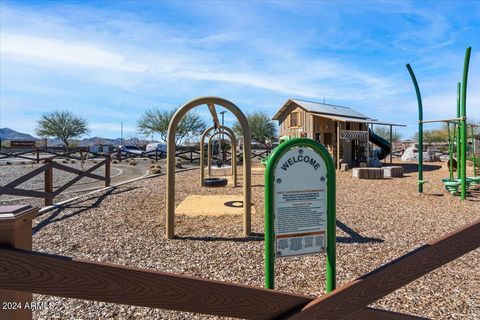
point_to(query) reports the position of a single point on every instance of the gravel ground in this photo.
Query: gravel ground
(379, 220)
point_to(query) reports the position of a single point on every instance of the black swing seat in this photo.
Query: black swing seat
(215, 182)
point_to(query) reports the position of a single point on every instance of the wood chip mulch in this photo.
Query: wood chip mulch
(378, 220)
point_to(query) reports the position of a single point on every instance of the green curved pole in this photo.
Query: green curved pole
(420, 128)
(463, 124)
(459, 89)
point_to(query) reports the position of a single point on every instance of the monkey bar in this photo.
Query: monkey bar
(461, 120)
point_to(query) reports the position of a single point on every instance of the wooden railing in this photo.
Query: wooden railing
(49, 194)
(21, 155)
(48, 274)
(39, 154)
(187, 153)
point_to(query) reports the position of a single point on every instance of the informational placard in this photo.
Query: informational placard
(300, 203)
(300, 206)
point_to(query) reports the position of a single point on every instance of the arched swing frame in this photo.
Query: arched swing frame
(231, 135)
(171, 150)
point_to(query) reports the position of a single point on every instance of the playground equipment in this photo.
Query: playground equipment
(384, 145)
(210, 151)
(170, 179)
(460, 121)
(215, 181)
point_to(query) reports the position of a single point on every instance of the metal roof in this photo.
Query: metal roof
(369, 121)
(321, 108)
(337, 113)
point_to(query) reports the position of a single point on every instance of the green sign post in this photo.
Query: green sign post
(300, 205)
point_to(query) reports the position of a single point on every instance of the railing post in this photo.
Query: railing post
(108, 160)
(38, 156)
(48, 182)
(16, 232)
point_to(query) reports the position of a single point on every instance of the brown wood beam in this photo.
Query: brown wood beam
(62, 167)
(77, 178)
(28, 176)
(26, 272)
(356, 295)
(26, 193)
(66, 277)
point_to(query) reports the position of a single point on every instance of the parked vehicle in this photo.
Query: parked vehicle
(129, 149)
(156, 146)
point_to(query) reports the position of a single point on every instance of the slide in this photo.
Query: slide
(380, 142)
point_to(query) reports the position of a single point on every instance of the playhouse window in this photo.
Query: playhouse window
(294, 119)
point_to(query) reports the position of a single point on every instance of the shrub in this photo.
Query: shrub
(178, 164)
(155, 170)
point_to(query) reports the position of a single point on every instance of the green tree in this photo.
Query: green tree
(62, 124)
(156, 121)
(261, 125)
(384, 132)
(435, 135)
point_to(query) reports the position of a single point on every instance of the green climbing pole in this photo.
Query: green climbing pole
(459, 90)
(473, 153)
(461, 129)
(420, 129)
(450, 152)
(463, 126)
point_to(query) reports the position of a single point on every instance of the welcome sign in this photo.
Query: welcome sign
(299, 205)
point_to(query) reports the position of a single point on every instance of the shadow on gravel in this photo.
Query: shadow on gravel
(412, 167)
(52, 215)
(355, 237)
(253, 237)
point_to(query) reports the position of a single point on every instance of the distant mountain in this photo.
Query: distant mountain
(97, 140)
(87, 141)
(9, 134)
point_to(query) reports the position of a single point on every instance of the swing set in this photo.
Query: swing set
(460, 134)
(209, 182)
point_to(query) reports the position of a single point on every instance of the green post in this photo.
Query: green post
(420, 129)
(269, 226)
(450, 152)
(473, 153)
(463, 125)
(459, 89)
(269, 209)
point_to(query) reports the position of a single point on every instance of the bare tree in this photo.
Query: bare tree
(384, 132)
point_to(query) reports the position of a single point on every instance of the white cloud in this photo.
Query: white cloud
(64, 51)
(248, 54)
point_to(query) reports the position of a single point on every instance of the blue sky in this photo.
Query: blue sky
(110, 61)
